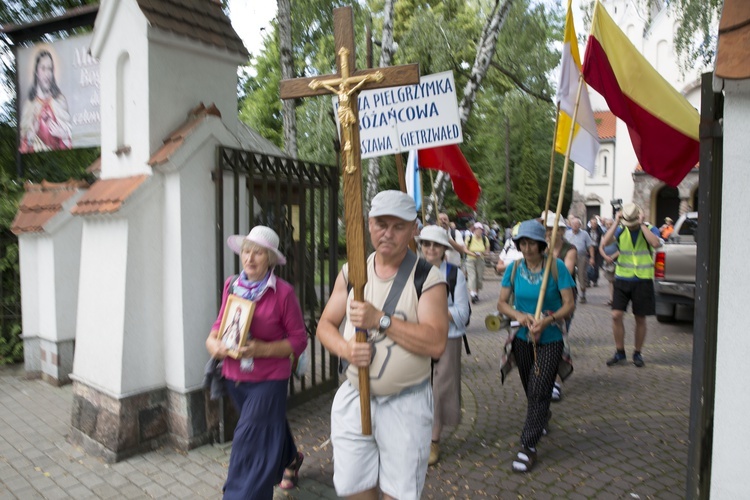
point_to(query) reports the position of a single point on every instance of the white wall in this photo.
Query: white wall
(190, 254)
(125, 40)
(732, 404)
(46, 287)
(144, 349)
(181, 76)
(119, 339)
(67, 251)
(101, 301)
(28, 258)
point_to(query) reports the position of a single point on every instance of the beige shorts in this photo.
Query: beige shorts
(395, 456)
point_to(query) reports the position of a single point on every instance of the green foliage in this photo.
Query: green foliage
(11, 345)
(696, 36)
(440, 36)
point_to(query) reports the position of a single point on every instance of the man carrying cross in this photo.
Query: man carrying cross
(405, 311)
(404, 329)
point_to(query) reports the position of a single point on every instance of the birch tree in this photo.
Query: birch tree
(485, 51)
(386, 56)
(287, 72)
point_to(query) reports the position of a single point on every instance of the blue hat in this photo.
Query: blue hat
(532, 230)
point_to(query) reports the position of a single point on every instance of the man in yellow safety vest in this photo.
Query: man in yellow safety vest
(634, 277)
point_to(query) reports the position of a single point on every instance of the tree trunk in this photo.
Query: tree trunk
(485, 52)
(386, 56)
(287, 72)
(507, 169)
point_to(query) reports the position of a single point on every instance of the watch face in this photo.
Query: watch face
(385, 322)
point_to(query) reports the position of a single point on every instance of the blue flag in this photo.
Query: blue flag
(413, 184)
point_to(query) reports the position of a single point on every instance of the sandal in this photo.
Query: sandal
(291, 474)
(525, 460)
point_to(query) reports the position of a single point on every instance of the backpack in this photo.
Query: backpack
(452, 280)
(485, 240)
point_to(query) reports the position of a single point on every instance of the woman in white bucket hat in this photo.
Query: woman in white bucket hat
(263, 449)
(446, 371)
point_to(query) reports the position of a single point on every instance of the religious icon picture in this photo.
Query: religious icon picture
(235, 323)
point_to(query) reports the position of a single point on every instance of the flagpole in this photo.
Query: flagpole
(551, 166)
(434, 197)
(550, 259)
(419, 174)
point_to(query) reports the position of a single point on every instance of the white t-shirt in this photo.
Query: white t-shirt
(393, 368)
(451, 256)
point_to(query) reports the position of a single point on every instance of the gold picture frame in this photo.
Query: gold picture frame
(235, 323)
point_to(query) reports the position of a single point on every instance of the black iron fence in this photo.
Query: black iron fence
(299, 200)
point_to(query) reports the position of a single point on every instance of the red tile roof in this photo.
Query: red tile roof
(176, 138)
(733, 48)
(606, 124)
(201, 20)
(108, 195)
(41, 202)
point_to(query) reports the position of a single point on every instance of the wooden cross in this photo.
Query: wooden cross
(347, 83)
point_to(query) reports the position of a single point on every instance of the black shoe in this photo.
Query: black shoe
(638, 360)
(619, 356)
(474, 299)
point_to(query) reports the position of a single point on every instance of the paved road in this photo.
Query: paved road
(620, 432)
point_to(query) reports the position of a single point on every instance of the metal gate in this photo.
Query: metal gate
(299, 200)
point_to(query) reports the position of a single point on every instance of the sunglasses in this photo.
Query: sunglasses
(430, 244)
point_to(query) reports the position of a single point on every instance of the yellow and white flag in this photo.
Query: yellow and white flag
(585, 145)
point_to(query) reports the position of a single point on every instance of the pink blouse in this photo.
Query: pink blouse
(277, 316)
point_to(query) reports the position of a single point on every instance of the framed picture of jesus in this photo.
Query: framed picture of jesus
(235, 323)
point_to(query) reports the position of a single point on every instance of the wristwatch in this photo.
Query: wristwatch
(385, 322)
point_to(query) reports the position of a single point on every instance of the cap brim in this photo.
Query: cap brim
(385, 213)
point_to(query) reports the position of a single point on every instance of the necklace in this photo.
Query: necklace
(533, 277)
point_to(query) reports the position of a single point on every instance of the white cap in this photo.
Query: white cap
(394, 203)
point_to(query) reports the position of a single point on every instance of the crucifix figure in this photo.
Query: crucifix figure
(347, 113)
(346, 84)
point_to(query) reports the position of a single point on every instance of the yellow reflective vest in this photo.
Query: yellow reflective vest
(634, 261)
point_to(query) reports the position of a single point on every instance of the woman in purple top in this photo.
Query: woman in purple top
(263, 446)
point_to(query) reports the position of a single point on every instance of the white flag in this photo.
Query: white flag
(413, 186)
(585, 144)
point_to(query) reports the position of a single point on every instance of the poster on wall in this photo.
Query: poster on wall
(58, 96)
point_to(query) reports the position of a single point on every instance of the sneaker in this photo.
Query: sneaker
(434, 453)
(619, 356)
(556, 392)
(638, 360)
(582, 299)
(474, 299)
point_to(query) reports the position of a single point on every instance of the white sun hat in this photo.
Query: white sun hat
(260, 235)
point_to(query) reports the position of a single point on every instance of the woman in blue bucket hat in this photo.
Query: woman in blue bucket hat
(538, 344)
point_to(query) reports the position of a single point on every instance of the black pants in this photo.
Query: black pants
(538, 387)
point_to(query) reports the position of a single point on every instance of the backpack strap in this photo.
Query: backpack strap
(452, 275)
(420, 275)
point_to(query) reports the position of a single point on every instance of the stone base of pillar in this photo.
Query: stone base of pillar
(56, 360)
(191, 419)
(115, 429)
